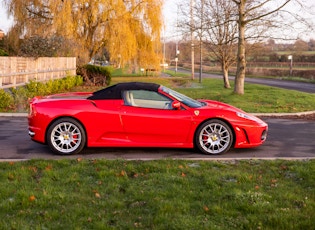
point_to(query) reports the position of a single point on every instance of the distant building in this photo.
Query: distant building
(1, 34)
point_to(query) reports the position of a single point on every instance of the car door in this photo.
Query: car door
(149, 119)
(103, 123)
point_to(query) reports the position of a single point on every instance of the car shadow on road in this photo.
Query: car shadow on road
(137, 153)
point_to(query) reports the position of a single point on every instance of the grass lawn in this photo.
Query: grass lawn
(257, 98)
(167, 194)
(162, 194)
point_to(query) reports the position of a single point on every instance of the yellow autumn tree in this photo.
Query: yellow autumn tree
(128, 29)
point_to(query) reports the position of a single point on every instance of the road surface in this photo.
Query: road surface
(287, 139)
(293, 85)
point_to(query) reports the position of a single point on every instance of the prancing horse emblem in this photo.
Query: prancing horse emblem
(196, 112)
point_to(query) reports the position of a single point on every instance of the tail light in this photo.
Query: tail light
(32, 111)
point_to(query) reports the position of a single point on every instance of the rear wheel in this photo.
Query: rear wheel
(214, 137)
(66, 136)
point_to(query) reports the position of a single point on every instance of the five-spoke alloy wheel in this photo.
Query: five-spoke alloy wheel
(214, 137)
(66, 136)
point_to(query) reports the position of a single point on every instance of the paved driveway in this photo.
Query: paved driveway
(287, 139)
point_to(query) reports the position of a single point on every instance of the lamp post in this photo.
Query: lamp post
(192, 5)
(164, 49)
(201, 30)
(176, 57)
(290, 57)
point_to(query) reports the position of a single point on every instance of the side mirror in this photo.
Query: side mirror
(176, 105)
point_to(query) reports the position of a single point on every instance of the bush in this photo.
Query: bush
(21, 95)
(3, 53)
(95, 75)
(6, 101)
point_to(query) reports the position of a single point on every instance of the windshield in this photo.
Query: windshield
(182, 98)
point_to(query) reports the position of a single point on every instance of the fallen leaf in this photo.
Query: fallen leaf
(34, 169)
(123, 173)
(48, 168)
(96, 193)
(11, 176)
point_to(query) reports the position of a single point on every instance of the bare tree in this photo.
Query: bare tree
(251, 20)
(255, 16)
(211, 21)
(220, 33)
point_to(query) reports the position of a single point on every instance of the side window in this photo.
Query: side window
(146, 99)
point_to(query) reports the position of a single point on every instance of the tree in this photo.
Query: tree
(256, 20)
(311, 44)
(94, 24)
(300, 45)
(256, 15)
(210, 20)
(37, 46)
(221, 33)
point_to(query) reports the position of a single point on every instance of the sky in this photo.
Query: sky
(170, 17)
(169, 13)
(5, 23)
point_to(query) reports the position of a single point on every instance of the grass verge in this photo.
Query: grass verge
(257, 98)
(162, 194)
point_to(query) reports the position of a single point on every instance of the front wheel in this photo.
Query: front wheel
(66, 136)
(214, 137)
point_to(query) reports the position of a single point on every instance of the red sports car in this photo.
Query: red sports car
(137, 114)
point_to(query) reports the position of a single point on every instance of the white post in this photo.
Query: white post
(192, 4)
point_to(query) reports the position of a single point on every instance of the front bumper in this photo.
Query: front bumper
(31, 133)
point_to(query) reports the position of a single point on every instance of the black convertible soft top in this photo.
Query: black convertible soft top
(115, 91)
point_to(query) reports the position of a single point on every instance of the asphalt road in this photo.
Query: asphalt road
(293, 85)
(286, 139)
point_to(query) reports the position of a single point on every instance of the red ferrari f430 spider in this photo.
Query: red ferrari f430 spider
(137, 114)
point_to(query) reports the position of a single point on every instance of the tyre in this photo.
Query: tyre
(66, 136)
(214, 137)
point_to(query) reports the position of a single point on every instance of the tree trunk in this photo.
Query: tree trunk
(225, 71)
(241, 58)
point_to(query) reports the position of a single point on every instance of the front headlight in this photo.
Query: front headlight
(246, 116)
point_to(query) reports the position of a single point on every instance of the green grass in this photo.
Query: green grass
(257, 98)
(163, 194)
(288, 78)
(176, 74)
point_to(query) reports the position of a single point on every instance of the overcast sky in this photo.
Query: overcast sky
(5, 23)
(169, 12)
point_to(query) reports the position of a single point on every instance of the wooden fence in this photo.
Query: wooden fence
(17, 71)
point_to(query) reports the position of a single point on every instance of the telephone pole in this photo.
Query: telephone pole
(192, 5)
